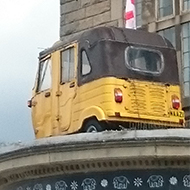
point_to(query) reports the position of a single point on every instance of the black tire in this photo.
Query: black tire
(93, 126)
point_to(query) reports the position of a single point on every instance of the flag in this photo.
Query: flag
(130, 15)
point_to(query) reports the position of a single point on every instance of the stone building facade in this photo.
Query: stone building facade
(169, 18)
(80, 15)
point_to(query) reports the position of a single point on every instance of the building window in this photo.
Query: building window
(67, 65)
(186, 58)
(186, 5)
(138, 6)
(169, 34)
(165, 8)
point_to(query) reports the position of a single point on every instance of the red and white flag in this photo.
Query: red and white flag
(130, 15)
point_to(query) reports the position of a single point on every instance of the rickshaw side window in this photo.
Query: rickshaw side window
(86, 68)
(67, 65)
(44, 79)
(144, 59)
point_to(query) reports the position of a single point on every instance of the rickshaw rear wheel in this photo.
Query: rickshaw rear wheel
(93, 125)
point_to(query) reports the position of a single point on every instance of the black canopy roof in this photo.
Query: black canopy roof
(105, 48)
(112, 33)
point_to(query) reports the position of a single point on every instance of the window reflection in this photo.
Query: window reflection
(145, 60)
(67, 65)
(186, 5)
(44, 81)
(86, 68)
(165, 8)
(169, 34)
(186, 58)
(138, 6)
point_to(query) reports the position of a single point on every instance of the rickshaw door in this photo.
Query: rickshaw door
(41, 101)
(67, 86)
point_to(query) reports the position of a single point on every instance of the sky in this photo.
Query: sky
(26, 28)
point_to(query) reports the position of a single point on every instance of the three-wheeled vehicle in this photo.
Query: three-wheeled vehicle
(107, 78)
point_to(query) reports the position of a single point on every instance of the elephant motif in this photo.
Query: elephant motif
(60, 185)
(89, 184)
(20, 188)
(155, 181)
(120, 182)
(38, 187)
(186, 180)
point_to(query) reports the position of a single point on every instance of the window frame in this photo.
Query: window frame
(182, 11)
(138, 26)
(184, 66)
(167, 29)
(38, 88)
(140, 70)
(158, 18)
(61, 66)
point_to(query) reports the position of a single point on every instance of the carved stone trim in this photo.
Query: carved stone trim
(89, 166)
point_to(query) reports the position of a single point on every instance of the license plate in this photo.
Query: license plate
(177, 113)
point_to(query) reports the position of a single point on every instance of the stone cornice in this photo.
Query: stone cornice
(96, 152)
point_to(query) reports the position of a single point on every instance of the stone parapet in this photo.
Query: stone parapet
(94, 153)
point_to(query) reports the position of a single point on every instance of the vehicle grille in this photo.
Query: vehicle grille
(148, 99)
(158, 100)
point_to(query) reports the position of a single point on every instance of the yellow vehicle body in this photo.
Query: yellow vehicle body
(66, 107)
(142, 102)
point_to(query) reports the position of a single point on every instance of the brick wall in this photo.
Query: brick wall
(80, 15)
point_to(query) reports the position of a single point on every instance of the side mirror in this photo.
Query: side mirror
(29, 103)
